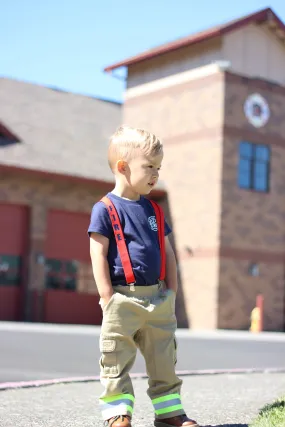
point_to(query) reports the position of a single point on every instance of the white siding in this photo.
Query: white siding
(256, 52)
(175, 62)
(253, 51)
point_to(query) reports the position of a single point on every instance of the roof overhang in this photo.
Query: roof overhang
(265, 15)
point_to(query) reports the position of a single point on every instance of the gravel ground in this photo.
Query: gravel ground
(229, 400)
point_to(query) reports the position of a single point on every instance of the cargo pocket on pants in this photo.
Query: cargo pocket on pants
(108, 361)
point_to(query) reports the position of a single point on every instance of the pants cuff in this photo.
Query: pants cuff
(168, 406)
(117, 405)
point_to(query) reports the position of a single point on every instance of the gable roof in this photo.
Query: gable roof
(58, 132)
(265, 15)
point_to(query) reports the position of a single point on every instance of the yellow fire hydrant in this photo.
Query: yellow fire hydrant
(255, 320)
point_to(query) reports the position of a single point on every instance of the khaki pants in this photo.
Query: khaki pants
(143, 319)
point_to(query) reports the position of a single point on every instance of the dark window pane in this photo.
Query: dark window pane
(260, 169)
(262, 152)
(13, 261)
(53, 268)
(244, 173)
(10, 270)
(261, 176)
(244, 180)
(246, 149)
(71, 267)
(70, 283)
(53, 282)
(245, 165)
(53, 265)
(260, 183)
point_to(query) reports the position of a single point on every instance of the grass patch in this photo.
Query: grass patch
(271, 415)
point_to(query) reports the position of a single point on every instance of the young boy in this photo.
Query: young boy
(137, 312)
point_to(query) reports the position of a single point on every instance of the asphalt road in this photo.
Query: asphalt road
(39, 352)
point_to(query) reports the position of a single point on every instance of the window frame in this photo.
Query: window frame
(62, 273)
(253, 161)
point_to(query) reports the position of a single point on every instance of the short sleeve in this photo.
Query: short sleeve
(167, 229)
(100, 221)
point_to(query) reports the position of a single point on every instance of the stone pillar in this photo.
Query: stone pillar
(34, 297)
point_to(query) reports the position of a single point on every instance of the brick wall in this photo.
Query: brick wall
(238, 290)
(252, 224)
(219, 229)
(189, 119)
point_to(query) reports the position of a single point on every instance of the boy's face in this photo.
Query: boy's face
(142, 172)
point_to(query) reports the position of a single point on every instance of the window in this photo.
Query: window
(61, 274)
(254, 166)
(10, 270)
(69, 275)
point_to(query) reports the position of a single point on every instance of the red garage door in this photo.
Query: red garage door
(13, 259)
(71, 295)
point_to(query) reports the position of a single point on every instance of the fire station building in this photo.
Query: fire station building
(217, 99)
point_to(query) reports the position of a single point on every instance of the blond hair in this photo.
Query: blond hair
(125, 142)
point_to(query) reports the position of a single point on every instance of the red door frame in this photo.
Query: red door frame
(17, 295)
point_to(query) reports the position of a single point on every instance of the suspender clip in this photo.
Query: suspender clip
(132, 287)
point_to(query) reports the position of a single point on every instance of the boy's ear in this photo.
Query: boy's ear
(121, 166)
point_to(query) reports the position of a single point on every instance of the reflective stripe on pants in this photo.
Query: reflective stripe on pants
(122, 403)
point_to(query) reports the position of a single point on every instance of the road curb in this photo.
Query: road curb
(44, 383)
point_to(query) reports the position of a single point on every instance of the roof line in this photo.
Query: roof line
(99, 98)
(218, 31)
(60, 90)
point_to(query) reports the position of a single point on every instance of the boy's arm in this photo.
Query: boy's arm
(171, 267)
(98, 251)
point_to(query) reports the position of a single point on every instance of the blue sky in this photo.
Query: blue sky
(66, 44)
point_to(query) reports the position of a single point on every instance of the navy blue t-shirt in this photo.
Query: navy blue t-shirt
(140, 230)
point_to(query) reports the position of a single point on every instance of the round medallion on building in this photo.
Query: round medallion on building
(257, 110)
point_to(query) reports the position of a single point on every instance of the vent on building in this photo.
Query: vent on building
(253, 269)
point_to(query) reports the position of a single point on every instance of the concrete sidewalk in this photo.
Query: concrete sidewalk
(92, 330)
(228, 400)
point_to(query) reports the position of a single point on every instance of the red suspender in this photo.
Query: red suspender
(119, 236)
(122, 247)
(160, 229)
